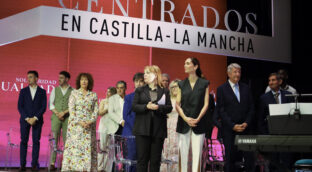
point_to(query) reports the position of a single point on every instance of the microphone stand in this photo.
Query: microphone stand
(297, 113)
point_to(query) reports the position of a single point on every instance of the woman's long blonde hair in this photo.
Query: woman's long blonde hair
(156, 70)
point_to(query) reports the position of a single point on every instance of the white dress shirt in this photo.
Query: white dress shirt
(279, 96)
(233, 86)
(121, 102)
(33, 91)
(52, 96)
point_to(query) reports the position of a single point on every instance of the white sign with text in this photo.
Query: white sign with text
(69, 23)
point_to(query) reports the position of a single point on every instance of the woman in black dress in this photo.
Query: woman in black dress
(192, 104)
(151, 103)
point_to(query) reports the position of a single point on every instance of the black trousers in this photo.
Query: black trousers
(233, 156)
(149, 149)
(36, 135)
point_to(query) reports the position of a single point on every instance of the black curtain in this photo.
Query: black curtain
(255, 72)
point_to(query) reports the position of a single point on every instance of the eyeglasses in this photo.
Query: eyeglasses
(173, 87)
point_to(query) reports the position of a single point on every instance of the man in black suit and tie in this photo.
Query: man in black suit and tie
(236, 109)
(32, 103)
(278, 161)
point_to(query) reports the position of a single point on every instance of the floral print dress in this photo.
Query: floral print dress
(80, 147)
(171, 143)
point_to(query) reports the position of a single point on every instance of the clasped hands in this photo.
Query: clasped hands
(60, 115)
(85, 124)
(31, 121)
(240, 127)
(191, 121)
(152, 106)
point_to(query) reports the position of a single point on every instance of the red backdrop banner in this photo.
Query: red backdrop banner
(107, 62)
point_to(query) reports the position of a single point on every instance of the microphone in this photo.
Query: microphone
(297, 113)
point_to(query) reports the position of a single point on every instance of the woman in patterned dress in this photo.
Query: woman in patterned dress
(80, 147)
(171, 144)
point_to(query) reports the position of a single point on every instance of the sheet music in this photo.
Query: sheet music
(162, 100)
(286, 108)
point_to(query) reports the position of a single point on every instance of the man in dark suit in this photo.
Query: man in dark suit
(32, 103)
(128, 113)
(129, 117)
(274, 96)
(278, 161)
(216, 120)
(236, 109)
(209, 114)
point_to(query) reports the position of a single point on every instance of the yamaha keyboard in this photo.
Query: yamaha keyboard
(274, 143)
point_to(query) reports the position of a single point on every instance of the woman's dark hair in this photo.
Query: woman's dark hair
(90, 81)
(138, 76)
(112, 90)
(65, 73)
(195, 62)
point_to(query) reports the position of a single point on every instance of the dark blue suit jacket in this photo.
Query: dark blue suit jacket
(231, 110)
(263, 112)
(128, 115)
(29, 108)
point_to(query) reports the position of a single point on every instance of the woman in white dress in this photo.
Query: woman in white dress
(171, 144)
(101, 129)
